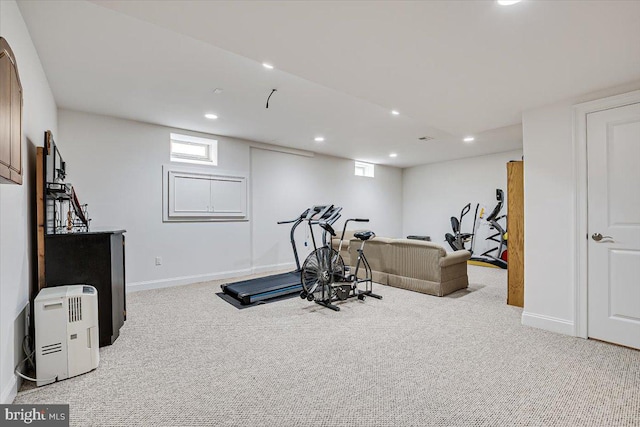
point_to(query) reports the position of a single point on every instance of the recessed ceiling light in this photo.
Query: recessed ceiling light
(508, 2)
(395, 112)
(469, 139)
(393, 155)
(318, 139)
(211, 116)
(268, 66)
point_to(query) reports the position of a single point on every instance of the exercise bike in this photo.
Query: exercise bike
(324, 276)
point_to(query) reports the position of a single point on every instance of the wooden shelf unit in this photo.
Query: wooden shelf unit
(515, 229)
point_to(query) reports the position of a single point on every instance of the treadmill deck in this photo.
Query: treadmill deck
(261, 288)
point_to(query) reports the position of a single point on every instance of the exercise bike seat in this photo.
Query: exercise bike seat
(364, 235)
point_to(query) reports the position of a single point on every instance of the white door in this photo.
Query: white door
(613, 147)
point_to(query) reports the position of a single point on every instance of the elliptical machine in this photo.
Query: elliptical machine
(458, 240)
(495, 257)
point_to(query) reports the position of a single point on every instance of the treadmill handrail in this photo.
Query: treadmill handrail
(288, 222)
(316, 210)
(293, 243)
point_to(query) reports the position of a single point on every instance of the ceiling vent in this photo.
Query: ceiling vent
(426, 138)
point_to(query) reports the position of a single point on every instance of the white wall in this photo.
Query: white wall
(116, 167)
(550, 213)
(549, 218)
(285, 184)
(17, 201)
(434, 192)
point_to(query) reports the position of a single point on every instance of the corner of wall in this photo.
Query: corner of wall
(39, 114)
(10, 391)
(548, 323)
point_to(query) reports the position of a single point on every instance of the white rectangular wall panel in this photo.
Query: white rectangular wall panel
(190, 195)
(203, 194)
(228, 196)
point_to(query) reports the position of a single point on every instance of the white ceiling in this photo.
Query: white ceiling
(451, 68)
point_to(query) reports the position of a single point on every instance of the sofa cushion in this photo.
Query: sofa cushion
(429, 287)
(375, 250)
(415, 259)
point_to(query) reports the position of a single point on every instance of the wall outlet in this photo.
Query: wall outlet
(158, 260)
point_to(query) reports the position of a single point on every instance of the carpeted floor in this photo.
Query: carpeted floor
(185, 357)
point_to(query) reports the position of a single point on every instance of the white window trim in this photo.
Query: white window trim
(368, 169)
(211, 144)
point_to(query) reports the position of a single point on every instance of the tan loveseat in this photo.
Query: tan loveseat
(412, 264)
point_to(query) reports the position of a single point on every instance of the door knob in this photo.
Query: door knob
(598, 237)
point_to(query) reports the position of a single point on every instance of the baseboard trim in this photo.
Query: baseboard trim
(188, 280)
(548, 323)
(10, 391)
(273, 267)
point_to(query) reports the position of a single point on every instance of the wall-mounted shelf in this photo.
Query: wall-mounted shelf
(58, 191)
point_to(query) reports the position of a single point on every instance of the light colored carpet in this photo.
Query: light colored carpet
(187, 358)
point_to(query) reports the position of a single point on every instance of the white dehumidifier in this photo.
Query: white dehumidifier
(66, 324)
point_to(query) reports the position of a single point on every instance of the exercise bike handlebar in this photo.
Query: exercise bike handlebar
(358, 220)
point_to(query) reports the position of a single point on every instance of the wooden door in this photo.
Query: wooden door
(613, 290)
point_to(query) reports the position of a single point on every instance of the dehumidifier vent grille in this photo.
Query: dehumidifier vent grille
(75, 309)
(51, 348)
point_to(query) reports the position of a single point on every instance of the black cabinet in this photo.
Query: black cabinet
(96, 259)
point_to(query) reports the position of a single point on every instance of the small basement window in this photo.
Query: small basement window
(192, 149)
(364, 169)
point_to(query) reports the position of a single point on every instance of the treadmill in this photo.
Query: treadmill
(262, 288)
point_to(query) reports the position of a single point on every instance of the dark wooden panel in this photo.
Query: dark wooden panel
(5, 114)
(515, 229)
(40, 214)
(10, 117)
(16, 128)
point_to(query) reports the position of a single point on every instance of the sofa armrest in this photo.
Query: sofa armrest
(454, 258)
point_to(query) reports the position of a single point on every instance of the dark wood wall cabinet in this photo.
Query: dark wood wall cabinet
(96, 259)
(10, 117)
